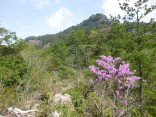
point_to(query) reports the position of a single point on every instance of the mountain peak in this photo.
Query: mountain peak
(96, 19)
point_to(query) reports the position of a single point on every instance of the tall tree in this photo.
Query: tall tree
(136, 40)
(12, 65)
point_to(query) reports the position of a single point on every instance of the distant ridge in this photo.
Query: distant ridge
(97, 21)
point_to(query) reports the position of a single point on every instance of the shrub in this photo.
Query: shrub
(119, 79)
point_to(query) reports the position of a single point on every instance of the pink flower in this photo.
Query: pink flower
(125, 102)
(103, 57)
(117, 93)
(119, 81)
(121, 87)
(121, 112)
(99, 78)
(108, 76)
(117, 59)
(133, 79)
(93, 69)
(100, 62)
(113, 71)
(103, 75)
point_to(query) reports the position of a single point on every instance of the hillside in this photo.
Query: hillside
(98, 21)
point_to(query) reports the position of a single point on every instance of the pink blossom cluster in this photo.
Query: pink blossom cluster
(113, 69)
(107, 70)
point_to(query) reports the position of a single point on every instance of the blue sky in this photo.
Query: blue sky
(38, 17)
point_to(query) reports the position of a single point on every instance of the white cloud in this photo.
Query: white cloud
(112, 7)
(57, 1)
(61, 19)
(40, 4)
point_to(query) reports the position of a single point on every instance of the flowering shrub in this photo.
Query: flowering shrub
(119, 77)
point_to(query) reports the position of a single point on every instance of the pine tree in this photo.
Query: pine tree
(135, 40)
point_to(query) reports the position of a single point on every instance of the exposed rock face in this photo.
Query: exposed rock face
(54, 114)
(17, 112)
(62, 98)
(34, 42)
(95, 20)
(20, 113)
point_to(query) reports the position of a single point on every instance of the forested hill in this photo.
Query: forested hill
(98, 22)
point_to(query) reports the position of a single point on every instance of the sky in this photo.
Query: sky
(39, 17)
